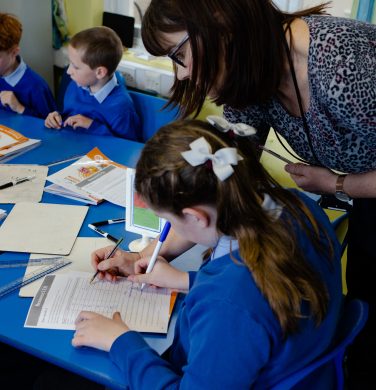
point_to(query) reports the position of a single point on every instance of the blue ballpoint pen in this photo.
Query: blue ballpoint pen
(162, 237)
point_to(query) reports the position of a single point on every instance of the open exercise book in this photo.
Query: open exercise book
(62, 297)
(91, 179)
(13, 143)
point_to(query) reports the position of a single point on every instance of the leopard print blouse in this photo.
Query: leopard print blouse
(342, 110)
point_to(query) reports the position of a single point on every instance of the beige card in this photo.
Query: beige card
(28, 191)
(41, 228)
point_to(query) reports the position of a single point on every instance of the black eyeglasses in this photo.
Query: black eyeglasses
(174, 53)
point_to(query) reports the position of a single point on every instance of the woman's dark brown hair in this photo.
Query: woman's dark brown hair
(243, 36)
(268, 245)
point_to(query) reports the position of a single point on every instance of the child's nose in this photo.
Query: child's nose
(182, 73)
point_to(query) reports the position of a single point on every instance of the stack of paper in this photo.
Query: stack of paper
(91, 179)
(13, 144)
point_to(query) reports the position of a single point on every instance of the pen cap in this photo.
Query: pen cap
(166, 229)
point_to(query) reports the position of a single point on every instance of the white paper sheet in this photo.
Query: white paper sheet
(62, 297)
(79, 256)
(110, 184)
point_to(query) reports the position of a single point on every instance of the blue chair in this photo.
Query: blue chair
(63, 84)
(151, 113)
(352, 322)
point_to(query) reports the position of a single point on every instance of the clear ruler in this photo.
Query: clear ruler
(32, 276)
(28, 262)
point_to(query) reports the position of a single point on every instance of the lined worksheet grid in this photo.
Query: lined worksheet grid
(145, 310)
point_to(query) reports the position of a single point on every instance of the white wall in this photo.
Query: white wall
(338, 7)
(36, 42)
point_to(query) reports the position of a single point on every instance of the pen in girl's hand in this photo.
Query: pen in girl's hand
(107, 257)
(162, 237)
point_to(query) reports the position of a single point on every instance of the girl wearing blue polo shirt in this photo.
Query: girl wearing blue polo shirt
(264, 303)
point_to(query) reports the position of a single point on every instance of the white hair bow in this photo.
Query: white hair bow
(222, 125)
(221, 160)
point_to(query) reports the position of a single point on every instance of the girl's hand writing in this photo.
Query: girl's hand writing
(121, 264)
(97, 331)
(162, 275)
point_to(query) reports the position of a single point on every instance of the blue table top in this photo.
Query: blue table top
(55, 345)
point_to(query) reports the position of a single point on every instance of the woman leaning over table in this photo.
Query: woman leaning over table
(309, 76)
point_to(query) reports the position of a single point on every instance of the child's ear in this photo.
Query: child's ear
(101, 72)
(197, 215)
(15, 51)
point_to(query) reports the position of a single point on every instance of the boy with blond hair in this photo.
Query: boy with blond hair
(96, 102)
(21, 89)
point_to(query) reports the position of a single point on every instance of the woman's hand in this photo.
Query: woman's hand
(312, 179)
(162, 275)
(97, 331)
(121, 264)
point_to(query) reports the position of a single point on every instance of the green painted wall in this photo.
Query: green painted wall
(83, 14)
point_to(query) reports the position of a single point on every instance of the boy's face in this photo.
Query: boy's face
(8, 61)
(80, 72)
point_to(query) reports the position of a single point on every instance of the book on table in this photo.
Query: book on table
(91, 179)
(13, 143)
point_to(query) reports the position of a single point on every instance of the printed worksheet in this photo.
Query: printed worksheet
(79, 256)
(10, 137)
(62, 297)
(93, 177)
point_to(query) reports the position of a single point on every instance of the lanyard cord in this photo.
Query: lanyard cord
(304, 119)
